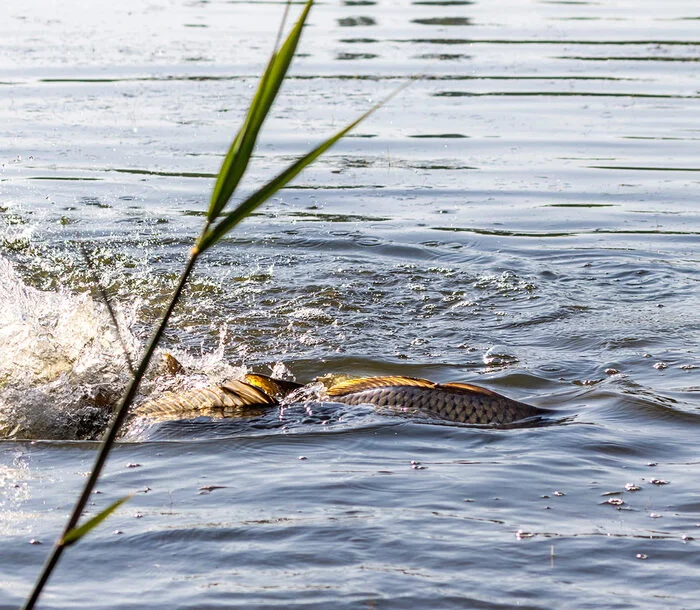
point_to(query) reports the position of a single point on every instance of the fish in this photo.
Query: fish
(231, 399)
(456, 402)
(254, 394)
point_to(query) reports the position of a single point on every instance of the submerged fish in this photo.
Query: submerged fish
(456, 402)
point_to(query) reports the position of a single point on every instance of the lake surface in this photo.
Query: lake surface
(524, 216)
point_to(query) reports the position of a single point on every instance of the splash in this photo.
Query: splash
(62, 366)
(196, 371)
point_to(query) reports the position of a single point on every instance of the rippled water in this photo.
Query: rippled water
(524, 216)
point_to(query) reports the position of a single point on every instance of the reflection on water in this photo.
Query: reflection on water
(523, 217)
(443, 21)
(347, 22)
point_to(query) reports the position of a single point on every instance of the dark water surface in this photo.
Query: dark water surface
(525, 217)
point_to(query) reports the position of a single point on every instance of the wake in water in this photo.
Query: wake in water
(63, 369)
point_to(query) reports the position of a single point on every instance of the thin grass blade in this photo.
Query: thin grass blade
(246, 207)
(239, 154)
(77, 533)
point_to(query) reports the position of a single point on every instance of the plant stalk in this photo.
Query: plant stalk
(110, 436)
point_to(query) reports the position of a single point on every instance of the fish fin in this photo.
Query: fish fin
(371, 383)
(172, 365)
(278, 388)
(246, 395)
(456, 385)
(215, 401)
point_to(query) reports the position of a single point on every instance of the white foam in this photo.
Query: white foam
(63, 369)
(62, 365)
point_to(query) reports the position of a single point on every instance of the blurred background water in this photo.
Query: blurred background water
(524, 216)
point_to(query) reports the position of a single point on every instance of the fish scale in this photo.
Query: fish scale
(458, 403)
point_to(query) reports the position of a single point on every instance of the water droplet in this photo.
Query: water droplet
(499, 356)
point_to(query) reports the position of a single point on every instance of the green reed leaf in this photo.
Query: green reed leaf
(246, 207)
(241, 150)
(72, 536)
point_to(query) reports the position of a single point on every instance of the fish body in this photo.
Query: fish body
(456, 402)
(232, 399)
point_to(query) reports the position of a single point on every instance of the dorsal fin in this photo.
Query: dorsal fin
(371, 383)
(466, 386)
(172, 365)
(246, 395)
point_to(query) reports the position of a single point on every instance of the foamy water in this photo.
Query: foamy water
(64, 367)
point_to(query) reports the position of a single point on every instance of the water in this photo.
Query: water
(525, 217)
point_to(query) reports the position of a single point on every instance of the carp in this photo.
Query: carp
(255, 393)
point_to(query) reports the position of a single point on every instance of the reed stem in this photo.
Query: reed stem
(110, 436)
(219, 223)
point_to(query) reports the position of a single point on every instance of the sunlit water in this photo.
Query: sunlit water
(524, 216)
